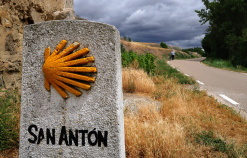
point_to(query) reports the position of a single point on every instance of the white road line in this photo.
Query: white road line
(199, 82)
(178, 69)
(228, 99)
(186, 75)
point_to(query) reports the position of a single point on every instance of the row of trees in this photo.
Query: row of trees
(127, 38)
(226, 36)
(195, 49)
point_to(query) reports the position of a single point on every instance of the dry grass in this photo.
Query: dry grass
(142, 48)
(10, 153)
(170, 132)
(153, 48)
(137, 81)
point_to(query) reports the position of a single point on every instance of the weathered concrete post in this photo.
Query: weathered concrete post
(87, 124)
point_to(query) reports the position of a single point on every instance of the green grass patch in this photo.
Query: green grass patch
(218, 144)
(224, 64)
(9, 120)
(166, 70)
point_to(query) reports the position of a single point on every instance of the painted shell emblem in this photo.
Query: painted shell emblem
(62, 69)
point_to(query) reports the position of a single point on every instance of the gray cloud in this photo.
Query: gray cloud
(170, 21)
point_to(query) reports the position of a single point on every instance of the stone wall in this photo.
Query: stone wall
(14, 14)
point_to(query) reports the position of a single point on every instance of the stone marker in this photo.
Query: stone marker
(89, 125)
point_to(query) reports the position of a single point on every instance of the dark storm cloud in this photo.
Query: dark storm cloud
(170, 21)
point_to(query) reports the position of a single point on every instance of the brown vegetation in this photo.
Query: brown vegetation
(10, 153)
(141, 48)
(170, 131)
(137, 81)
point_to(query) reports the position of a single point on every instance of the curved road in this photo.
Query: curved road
(227, 86)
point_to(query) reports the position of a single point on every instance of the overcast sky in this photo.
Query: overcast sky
(171, 21)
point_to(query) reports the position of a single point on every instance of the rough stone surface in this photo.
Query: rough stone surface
(101, 107)
(14, 15)
(133, 102)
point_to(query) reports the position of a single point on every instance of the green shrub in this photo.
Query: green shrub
(163, 45)
(145, 62)
(122, 48)
(9, 120)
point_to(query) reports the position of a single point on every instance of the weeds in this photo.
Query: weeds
(223, 64)
(145, 62)
(216, 143)
(167, 71)
(9, 120)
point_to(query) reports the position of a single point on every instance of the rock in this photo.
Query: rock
(11, 44)
(133, 102)
(1, 81)
(14, 15)
(65, 14)
(12, 80)
(98, 110)
(13, 67)
(1, 66)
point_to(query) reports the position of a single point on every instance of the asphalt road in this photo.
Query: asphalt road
(222, 84)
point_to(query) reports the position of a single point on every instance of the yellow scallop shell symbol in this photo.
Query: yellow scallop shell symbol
(62, 69)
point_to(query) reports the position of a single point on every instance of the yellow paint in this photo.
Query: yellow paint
(59, 67)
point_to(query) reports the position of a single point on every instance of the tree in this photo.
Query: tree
(226, 35)
(125, 38)
(163, 45)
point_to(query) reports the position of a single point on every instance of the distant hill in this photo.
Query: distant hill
(153, 48)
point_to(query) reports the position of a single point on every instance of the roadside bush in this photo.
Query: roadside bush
(145, 62)
(9, 120)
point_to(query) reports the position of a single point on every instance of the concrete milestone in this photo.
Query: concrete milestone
(75, 107)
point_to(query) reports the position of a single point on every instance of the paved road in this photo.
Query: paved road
(222, 84)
